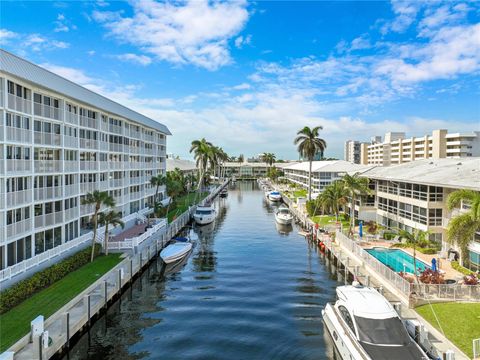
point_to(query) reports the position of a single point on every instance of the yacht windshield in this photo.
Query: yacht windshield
(382, 331)
(204, 212)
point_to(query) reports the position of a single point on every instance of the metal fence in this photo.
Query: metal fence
(476, 348)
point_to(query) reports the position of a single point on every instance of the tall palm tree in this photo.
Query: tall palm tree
(97, 198)
(333, 197)
(110, 218)
(355, 186)
(202, 152)
(222, 158)
(240, 158)
(462, 228)
(158, 181)
(268, 158)
(308, 144)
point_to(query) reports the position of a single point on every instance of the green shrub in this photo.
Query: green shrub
(389, 235)
(428, 251)
(22, 290)
(460, 268)
(312, 208)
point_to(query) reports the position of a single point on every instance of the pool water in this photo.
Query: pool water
(397, 259)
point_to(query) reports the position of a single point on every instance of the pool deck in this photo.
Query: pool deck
(443, 264)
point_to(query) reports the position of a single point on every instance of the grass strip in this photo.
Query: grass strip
(15, 323)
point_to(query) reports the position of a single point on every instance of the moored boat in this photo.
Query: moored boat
(283, 216)
(176, 250)
(204, 214)
(365, 326)
(274, 196)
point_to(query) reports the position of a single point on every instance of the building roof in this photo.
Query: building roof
(340, 166)
(463, 173)
(21, 68)
(183, 165)
(255, 164)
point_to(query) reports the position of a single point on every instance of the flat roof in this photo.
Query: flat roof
(461, 173)
(32, 73)
(184, 165)
(330, 166)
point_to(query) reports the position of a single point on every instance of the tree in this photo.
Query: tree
(413, 239)
(110, 218)
(97, 198)
(272, 173)
(308, 144)
(240, 158)
(268, 158)
(333, 197)
(355, 186)
(462, 228)
(202, 150)
(157, 181)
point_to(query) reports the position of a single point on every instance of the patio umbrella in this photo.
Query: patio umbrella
(434, 264)
(360, 229)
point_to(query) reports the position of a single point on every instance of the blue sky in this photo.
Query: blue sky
(248, 75)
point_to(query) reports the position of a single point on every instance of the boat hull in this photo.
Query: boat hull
(283, 220)
(174, 252)
(274, 197)
(204, 219)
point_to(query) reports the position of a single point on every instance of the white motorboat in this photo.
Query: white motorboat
(274, 196)
(176, 250)
(204, 214)
(365, 326)
(283, 216)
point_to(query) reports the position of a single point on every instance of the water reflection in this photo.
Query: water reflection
(283, 229)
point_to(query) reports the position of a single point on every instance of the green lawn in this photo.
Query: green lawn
(184, 202)
(300, 193)
(325, 220)
(15, 323)
(460, 322)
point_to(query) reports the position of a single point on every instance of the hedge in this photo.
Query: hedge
(22, 290)
(460, 268)
(427, 251)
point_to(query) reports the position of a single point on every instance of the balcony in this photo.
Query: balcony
(137, 180)
(19, 228)
(70, 141)
(71, 214)
(135, 195)
(70, 166)
(48, 219)
(102, 145)
(115, 183)
(88, 143)
(88, 122)
(19, 104)
(116, 129)
(47, 111)
(115, 165)
(88, 187)
(71, 190)
(89, 165)
(71, 118)
(116, 147)
(47, 193)
(47, 138)
(48, 166)
(87, 209)
(17, 198)
(18, 135)
(19, 166)
(102, 185)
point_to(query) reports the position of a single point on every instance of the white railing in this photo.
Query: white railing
(89, 165)
(18, 135)
(40, 258)
(47, 138)
(71, 190)
(47, 193)
(49, 219)
(47, 111)
(115, 165)
(17, 165)
(46, 166)
(71, 166)
(19, 197)
(88, 122)
(19, 228)
(19, 104)
(116, 147)
(71, 214)
(70, 141)
(88, 143)
(71, 118)
(136, 241)
(116, 183)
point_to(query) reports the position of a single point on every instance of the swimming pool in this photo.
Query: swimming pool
(397, 259)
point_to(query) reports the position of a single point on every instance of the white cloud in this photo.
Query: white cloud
(62, 24)
(137, 59)
(192, 32)
(241, 41)
(405, 14)
(6, 35)
(243, 86)
(25, 43)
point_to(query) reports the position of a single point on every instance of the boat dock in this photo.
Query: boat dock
(51, 337)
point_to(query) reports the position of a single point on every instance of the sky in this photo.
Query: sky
(248, 75)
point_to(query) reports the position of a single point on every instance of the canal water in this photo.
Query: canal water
(249, 290)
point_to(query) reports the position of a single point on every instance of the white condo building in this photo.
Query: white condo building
(352, 151)
(58, 142)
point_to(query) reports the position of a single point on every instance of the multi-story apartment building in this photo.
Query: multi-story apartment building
(323, 172)
(397, 149)
(58, 142)
(352, 151)
(413, 196)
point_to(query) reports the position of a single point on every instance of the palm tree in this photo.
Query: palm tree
(110, 218)
(97, 198)
(240, 158)
(333, 197)
(462, 228)
(202, 150)
(268, 158)
(355, 186)
(158, 181)
(412, 239)
(308, 144)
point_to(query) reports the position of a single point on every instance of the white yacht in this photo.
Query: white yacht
(204, 214)
(365, 326)
(176, 250)
(274, 196)
(283, 216)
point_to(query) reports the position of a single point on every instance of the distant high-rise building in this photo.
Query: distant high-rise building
(352, 151)
(397, 149)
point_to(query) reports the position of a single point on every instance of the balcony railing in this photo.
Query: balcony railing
(49, 219)
(116, 147)
(18, 135)
(117, 183)
(47, 138)
(71, 118)
(88, 187)
(71, 166)
(17, 165)
(19, 197)
(88, 143)
(19, 228)
(71, 190)
(47, 166)
(19, 104)
(89, 165)
(115, 165)
(71, 214)
(47, 193)
(70, 141)
(47, 111)
(88, 122)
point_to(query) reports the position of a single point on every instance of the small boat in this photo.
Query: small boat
(224, 193)
(274, 196)
(176, 250)
(365, 326)
(283, 216)
(204, 214)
